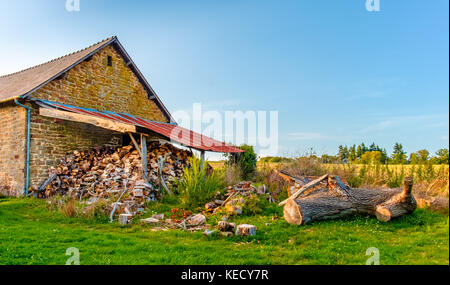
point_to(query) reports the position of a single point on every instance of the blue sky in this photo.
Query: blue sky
(336, 73)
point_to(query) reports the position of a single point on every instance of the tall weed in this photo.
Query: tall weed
(196, 186)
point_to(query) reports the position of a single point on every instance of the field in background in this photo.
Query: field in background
(429, 180)
(397, 168)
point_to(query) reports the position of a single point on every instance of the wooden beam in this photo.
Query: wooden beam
(87, 119)
(202, 159)
(47, 182)
(144, 157)
(136, 145)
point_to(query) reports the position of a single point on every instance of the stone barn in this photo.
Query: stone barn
(94, 97)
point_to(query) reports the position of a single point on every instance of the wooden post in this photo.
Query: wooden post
(202, 156)
(135, 144)
(144, 157)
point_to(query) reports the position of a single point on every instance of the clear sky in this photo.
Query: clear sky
(336, 73)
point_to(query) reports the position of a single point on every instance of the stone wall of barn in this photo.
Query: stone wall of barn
(12, 149)
(91, 84)
(94, 84)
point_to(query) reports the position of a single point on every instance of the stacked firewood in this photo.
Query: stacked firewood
(107, 172)
(174, 160)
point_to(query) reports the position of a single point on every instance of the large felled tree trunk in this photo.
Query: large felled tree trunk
(339, 201)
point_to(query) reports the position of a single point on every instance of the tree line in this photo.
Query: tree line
(373, 154)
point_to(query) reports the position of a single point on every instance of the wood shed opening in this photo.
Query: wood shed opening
(126, 140)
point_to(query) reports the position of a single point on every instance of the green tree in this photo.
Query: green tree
(424, 155)
(245, 161)
(352, 154)
(384, 155)
(442, 156)
(398, 155)
(372, 157)
(413, 158)
(360, 150)
(343, 154)
(419, 157)
(325, 158)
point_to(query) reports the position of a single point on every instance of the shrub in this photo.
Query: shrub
(196, 187)
(349, 173)
(304, 166)
(255, 205)
(231, 174)
(276, 185)
(245, 161)
(395, 178)
(429, 172)
(98, 210)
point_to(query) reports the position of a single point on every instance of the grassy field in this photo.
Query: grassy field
(407, 168)
(32, 234)
(429, 180)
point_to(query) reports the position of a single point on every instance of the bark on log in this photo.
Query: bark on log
(337, 202)
(304, 188)
(300, 181)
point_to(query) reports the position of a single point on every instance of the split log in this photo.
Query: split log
(338, 202)
(291, 179)
(225, 226)
(125, 219)
(304, 188)
(246, 230)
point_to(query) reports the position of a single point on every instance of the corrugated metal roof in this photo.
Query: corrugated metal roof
(170, 131)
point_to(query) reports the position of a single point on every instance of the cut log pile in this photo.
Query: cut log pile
(174, 160)
(327, 197)
(107, 172)
(190, 223)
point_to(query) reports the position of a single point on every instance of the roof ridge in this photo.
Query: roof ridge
(58, 58)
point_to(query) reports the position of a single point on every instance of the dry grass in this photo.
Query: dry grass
(231, 174)
(72, 208)
(69, 209)
(99, 209)
(429, 180)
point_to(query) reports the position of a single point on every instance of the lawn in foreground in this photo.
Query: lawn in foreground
(31, 234)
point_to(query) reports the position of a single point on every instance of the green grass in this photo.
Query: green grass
(32, 234)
